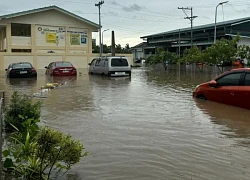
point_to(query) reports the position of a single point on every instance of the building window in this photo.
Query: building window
(21, 50)
(21, 30)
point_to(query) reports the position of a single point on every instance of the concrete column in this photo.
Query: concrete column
(89, 39)
(33, 38)
(8, 38)
(67, 40)
(1, 40)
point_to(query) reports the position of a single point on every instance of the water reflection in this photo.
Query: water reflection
(21, 82)
(235, 119)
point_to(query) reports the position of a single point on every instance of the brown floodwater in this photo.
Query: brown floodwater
(145, 127)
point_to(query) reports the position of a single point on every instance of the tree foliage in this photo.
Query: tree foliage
(34, 152)
(107, 49)
(163, 57)
(19, 110)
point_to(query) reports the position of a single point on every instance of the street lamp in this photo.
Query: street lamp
(102, 39)
(216, 19)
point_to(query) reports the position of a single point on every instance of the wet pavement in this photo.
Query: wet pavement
(145, 127)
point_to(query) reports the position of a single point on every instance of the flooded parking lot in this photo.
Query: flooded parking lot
(145, 127)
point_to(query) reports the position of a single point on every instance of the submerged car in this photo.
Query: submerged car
(110, 66)
(231, 87)
(61, 68)
(21, 70)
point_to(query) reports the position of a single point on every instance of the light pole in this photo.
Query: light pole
(102, 39)
(216, 19)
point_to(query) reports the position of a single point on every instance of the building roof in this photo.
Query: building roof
(207, 26)
(23, 13)
(139, 45)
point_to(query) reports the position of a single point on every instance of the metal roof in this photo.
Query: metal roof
(23, 13)
(207, 26)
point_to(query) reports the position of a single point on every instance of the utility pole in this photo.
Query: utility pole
(191, 18)
(100, 26)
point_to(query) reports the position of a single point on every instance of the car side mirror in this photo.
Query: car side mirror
(46, 67)
(6, 69)
(213, 83)
(90, 64)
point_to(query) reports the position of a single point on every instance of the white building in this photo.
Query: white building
(43, 35)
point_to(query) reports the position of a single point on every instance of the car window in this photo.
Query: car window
(21, 65)
(247, 80)
(93, 62)
(119, 62)
(64, 64)
(98, 62)
(102, 63)
(229, 80)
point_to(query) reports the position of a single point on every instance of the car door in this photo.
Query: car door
(227, 89)
(97, 66)
(244, 92)
(92, 66)
(48, 69)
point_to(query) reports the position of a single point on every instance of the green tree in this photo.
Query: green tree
(161, 57)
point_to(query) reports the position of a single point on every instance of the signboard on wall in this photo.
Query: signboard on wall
(56, 36)
(75, 39)
(78, 36)
(51, 38)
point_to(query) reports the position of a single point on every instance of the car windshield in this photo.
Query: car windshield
(119, 62)
(64, 64)
(21, 65)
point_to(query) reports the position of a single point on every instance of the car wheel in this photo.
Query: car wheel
(200, 96)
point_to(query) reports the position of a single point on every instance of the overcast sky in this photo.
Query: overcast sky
(131, 19)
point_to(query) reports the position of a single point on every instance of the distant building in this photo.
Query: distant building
(203, 37)
(43, 35)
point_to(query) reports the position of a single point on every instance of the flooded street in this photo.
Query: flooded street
(145, 127)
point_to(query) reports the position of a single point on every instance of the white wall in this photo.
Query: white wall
(78, 61)
(50, 18)
(12, 59)
(43, 61)
(20, 41)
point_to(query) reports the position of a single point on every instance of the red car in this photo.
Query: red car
(231, 87)
(61, 68)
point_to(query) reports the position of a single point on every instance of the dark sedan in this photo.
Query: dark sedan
(21, 70)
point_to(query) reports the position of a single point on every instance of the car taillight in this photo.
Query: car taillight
(56, 70)
(33, 70)
(74, 69)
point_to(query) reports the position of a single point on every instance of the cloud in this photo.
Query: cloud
(112, 13)
(133, 7)
(114, 3)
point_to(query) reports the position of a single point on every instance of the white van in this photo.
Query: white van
(111, 66)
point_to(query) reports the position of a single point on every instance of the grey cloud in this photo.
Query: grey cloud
(131, 8)
(114, 3)
(112, 13)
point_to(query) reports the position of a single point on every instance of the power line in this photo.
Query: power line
(191, 18)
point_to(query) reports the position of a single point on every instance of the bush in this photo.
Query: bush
(50, 151)
(19, 110)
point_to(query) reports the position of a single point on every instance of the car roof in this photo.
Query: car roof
(239, 69)
(61, 62)
(21, 63)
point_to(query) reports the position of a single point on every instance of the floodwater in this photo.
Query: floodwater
(145, 127)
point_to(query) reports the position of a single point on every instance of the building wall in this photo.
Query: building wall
(55, 36)
(40, 60)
